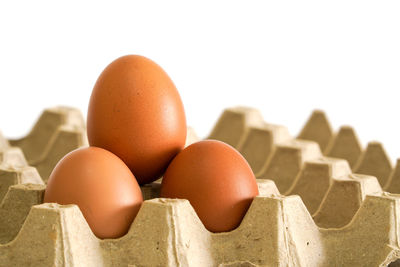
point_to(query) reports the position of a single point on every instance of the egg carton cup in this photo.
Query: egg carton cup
(268, 147)
(298, 165)
(58, 131)
(341, 219)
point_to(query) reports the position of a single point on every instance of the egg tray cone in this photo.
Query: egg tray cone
(58, 131)
(268, 147)
(331, 216)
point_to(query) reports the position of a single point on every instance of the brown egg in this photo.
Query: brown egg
(217, 181)
(101, 185)
(136, 112)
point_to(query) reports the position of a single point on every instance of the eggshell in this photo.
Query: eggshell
(217, 181)
(101, 185)
(136, 112)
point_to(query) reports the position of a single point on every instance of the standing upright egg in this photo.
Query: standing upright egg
(135, 111)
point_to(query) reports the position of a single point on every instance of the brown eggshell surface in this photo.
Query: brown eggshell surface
(101, 185)
(136, 112)
(217, 181)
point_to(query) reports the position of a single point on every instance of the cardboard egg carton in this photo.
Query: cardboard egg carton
(275, 148)
(276, 231)
(58, 131)
(326, 215)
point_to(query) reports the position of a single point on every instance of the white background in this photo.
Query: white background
(284, 57)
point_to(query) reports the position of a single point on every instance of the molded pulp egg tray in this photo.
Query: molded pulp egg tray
(324, 201)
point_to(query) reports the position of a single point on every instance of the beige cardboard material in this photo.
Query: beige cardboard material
(348, 222)
(314, 179)
(233, 123)
(276, 231)
(12, 156)
(286, 161)
(257, 143)
(345, 145)
(3, 142)
(66, 139)
(58, 131)
(317, 129)
(46, 126)
(15, 206)
(343, 199)
(393, 183)
(14, 175)
(151, 190)
(374, 161)
(238, 264)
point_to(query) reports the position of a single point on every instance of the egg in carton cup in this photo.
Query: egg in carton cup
(337, 218)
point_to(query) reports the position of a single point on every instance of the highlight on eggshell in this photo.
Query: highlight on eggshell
(135, 112)
(217, 181)
(102, 186)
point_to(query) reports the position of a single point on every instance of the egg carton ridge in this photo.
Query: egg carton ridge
(276, 231)
(58, 131)
(277, 148)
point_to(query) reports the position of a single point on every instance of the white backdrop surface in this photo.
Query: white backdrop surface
(284, 57)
